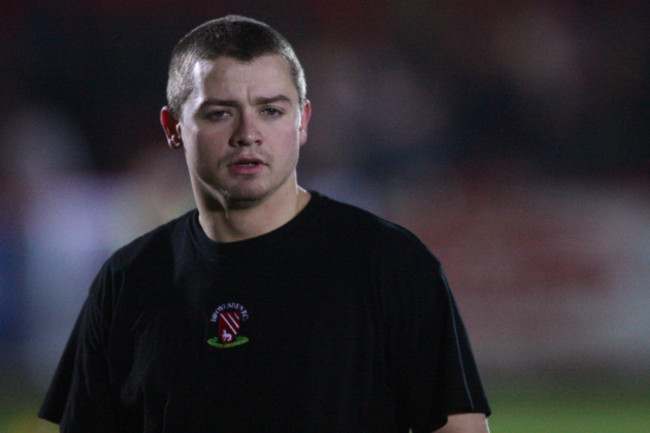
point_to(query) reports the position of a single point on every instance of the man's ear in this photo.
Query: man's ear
(171, 127)
(305, 115)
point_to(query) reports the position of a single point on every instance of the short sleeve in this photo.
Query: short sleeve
(436, 374)
(78, 397)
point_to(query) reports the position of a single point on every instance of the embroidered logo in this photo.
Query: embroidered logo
(229, 318)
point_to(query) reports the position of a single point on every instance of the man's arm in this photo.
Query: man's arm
(465, 423)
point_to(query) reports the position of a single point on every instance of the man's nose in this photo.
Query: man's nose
(247, 131)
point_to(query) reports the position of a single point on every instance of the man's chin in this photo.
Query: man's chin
(251, 194)
(244, 199)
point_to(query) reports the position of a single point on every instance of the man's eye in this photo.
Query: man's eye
(270, 111)
(216, 115)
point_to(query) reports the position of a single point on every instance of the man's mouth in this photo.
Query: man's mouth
(247, 162)
(246, 165)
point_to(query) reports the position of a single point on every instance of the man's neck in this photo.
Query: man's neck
(231, 224)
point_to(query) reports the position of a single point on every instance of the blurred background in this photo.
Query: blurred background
(512, 137)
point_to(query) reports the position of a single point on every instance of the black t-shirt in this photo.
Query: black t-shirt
(338, 321)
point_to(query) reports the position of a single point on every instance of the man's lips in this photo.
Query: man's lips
(246, 165)
(246, 161)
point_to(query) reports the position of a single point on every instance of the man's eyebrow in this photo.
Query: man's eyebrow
(272, 99)
(260, 100)
(221, 102)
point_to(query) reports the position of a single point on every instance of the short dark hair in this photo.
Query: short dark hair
(231, 36)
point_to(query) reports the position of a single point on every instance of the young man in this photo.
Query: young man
(269, 308)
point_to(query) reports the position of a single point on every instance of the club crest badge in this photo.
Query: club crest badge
(229, 319)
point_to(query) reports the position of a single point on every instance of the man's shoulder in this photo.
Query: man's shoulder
(393, 252)
(155, 245)
(354, 221)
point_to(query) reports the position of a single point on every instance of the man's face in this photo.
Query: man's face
(242, 127)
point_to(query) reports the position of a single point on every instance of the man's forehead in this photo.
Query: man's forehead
(269, 74)
(265, 64)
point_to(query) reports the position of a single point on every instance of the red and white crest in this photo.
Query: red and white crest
(228, 326)
(229, 318)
